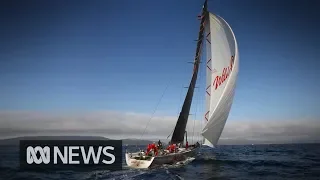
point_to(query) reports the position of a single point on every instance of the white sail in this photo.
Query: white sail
(213, 107)
(208, 60)
(223, 75)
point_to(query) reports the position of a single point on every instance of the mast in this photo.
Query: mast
(179, 130)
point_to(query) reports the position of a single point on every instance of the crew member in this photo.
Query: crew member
(187, 145)
(170, 148)
(153, 145)
(159, 144)
(149, 149)
(154, 148)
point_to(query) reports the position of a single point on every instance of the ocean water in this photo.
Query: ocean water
(292, 161)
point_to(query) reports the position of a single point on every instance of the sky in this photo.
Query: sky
(100, 67)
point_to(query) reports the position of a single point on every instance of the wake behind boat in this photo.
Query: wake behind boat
(222, 61)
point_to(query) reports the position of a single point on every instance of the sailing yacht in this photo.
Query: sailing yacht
(222, 66)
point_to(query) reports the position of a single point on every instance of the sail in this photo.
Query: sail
(208, 68)
(224, 61)
(179, 130)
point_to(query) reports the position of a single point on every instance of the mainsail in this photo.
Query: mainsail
(178, 133)
(221, 74)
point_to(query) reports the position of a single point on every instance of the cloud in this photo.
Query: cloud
(105, 123)
(304, 130)
(132, 125)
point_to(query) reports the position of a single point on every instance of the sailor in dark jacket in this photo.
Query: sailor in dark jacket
(159, 144)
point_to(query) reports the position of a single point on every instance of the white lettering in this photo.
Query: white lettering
(113, 158)
(86, 158)
(72, 154)
(68, 155)
(57, 152)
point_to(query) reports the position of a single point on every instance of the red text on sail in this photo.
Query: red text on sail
(225, 74)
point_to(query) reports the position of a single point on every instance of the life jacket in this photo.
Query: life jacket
(171, 148)
(155, 149)
(153, 146)
(148, 148)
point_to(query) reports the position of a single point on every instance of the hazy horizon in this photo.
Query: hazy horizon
(222, 141)
(131, 125)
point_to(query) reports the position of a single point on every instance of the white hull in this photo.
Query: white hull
(182, 155)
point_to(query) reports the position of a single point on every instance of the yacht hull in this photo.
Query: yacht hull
(133, 161)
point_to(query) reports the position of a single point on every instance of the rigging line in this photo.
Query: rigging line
(198, 85)
(202, 74)
(195, 116)
(198, 90)
(203, 110)
(198, 98)
(154, 111)
(170, 133)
